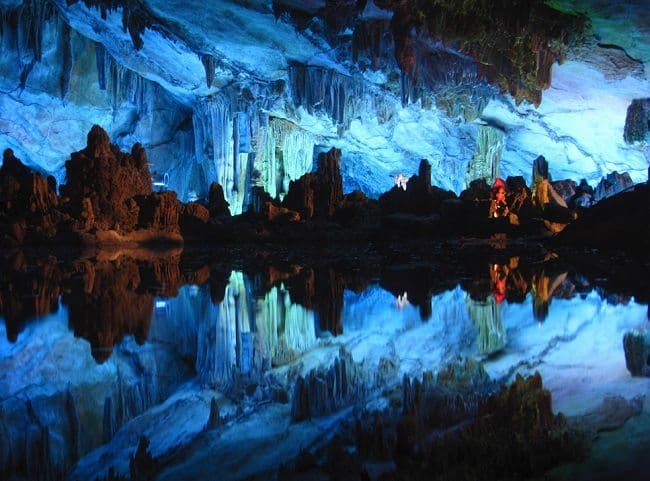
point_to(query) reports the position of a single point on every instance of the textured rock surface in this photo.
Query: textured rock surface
(109, 179)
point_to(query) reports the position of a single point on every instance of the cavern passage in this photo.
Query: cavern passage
(247, 93)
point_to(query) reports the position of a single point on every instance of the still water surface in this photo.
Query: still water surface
(94, 355)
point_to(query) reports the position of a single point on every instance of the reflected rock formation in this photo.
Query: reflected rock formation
(105, 305)
(28, 290)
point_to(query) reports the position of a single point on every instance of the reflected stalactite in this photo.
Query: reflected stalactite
(544, 287)
(219, 353)
(486, 316)
(286, 330)
(321, 289)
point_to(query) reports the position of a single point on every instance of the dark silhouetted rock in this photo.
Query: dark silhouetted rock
(478, 190)
(637, 353)
(318, 194)
(620, 221)
(108, 178)
(159, 211)
(217, 204)
(612, 184)
(420, 197)
(28, 203)
(194, 219)
(637, 121)
(540, 171)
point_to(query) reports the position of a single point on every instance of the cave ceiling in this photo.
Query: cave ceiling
(201, 83)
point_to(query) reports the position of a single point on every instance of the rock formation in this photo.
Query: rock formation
(28, 203)
(109, 179)
(637, 121)
(323, 392)
(320, 193)
(104, 305)
(612, 184)
(637, 353)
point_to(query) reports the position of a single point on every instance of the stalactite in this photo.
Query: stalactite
(324, 90)
(286, 152)
(454, 80)
(208, 63)
(214, 149)
(100, 60)
(216, 345)
(373, 39)
(125, 85)
(66, 71)
(489, 147)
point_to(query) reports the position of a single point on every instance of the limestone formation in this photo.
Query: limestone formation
(110, 179)
(324, 391)
(612, 184)
(217, 204)
(318, 194)
(637, 353)
(637, 121)
(28, 203)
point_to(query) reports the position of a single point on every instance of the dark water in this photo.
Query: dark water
(95, 353)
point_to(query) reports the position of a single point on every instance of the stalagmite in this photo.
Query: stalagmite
(75, 429)
(323, 391)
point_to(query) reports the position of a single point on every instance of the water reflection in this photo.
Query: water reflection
(95, 343)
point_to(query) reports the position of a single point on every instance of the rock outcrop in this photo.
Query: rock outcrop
(28, 203)
(324, 391)
(612, 184)
(320, 193)
(109, 179)
(637, 353)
